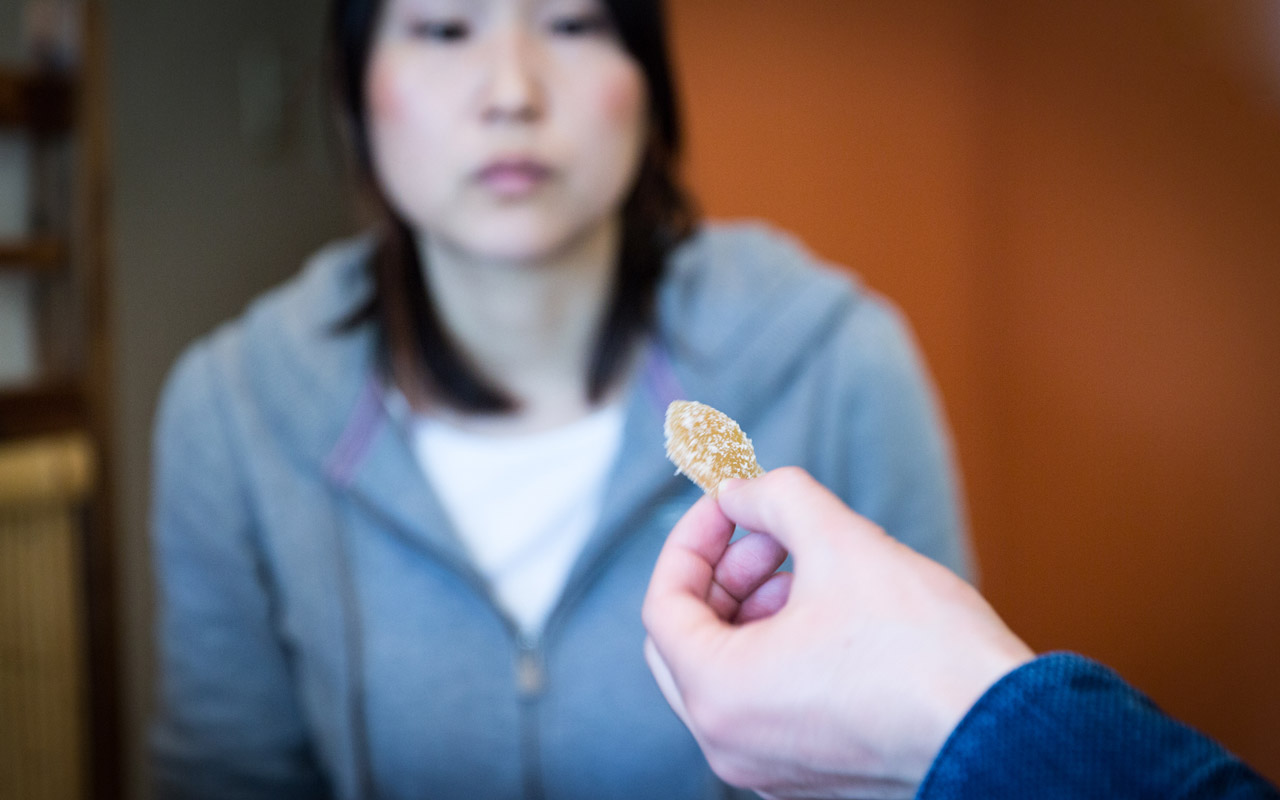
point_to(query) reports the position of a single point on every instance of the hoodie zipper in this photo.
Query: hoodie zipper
(529, 673)
(531, 680)
(529, 668)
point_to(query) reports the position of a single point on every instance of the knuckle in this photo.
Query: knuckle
(792, 476)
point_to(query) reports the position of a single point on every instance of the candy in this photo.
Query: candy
(707, 446)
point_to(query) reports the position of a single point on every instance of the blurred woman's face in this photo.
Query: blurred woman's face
(507, 129)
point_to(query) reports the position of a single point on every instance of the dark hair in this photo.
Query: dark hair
(657, 215)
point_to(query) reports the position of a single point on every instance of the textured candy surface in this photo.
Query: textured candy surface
(707, 446)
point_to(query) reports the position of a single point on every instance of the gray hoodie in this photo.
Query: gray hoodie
(323, 632)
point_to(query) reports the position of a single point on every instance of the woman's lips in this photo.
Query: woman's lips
(513, 178)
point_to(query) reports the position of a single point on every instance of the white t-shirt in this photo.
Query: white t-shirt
(525, 505)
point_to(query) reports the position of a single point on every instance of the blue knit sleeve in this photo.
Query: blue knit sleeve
(1066, 727)
(228, 723)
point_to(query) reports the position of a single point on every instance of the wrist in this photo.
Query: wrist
(968, 687)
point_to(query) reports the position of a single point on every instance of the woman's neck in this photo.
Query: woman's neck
(531, 327)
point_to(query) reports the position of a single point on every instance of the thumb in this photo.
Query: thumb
(792, 507)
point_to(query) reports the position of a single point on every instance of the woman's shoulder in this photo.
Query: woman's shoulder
(754, 254)
(329, 288)
(742, 284)
(287, 343)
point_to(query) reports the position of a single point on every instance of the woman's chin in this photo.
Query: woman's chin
(530, 245)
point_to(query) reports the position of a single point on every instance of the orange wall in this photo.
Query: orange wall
(1079, 208)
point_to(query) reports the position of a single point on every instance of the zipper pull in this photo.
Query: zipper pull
(531, 675)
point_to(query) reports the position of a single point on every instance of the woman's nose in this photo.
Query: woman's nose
(514, 88)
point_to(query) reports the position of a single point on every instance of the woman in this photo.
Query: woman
(407, 505)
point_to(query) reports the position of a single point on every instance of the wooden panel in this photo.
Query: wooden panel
(40, 102)
(31, 254)
(107, 769)
(42, 681)
(854, 126)
(1076, 205)
(43, 408)
(1135, 191)
(65, 116)
(41, 669)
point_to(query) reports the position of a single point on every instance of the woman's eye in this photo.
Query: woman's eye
(446, 30)
(581, 25)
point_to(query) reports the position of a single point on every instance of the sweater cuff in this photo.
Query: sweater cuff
(1063, 726)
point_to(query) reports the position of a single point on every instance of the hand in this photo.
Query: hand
(843, 680)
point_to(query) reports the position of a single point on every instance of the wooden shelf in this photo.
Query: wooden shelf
(44, 470)
(63, 117)
(41, 102)
(38, 254)
(41, 408)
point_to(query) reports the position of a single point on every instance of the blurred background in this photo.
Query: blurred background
(1077, 205)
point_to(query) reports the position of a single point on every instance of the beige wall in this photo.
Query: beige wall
(202, 219)
(10, 30)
